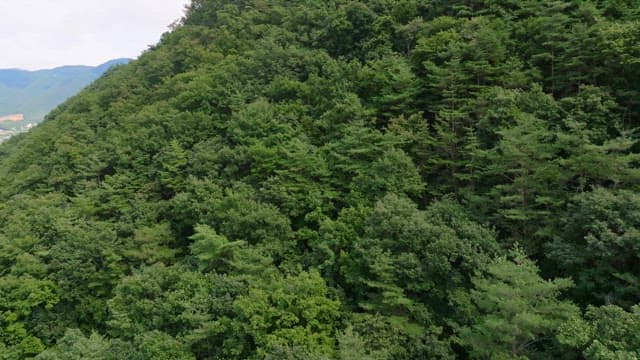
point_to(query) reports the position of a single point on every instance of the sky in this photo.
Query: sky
(42, 34)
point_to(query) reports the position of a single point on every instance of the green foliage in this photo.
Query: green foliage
(213, 251)
(598, 247)
(606, 332)
(305, 317)
(74, 345)
(147, 346)
(337, 180)
(516, 309)
(21, 296)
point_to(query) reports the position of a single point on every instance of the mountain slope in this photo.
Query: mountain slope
(35, 93)
(296, 179)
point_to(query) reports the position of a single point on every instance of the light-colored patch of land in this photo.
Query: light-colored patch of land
(12, 118)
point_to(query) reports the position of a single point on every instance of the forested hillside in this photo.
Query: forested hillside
(35, 93)
(301, 179)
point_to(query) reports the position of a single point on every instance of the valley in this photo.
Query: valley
(27, 96)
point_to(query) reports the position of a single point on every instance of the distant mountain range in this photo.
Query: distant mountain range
(27, 96)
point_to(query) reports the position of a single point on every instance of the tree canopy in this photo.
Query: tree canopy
(345, 179)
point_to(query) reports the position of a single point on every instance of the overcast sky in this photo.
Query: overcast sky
(41, 34)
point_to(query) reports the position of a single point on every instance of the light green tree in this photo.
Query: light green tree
(516, 309)
(606, 332)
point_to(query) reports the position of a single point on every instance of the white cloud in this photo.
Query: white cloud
(37, 34)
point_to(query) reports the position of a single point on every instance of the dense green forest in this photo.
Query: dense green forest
(342, 179)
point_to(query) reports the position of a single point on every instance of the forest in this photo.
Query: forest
(340, 179)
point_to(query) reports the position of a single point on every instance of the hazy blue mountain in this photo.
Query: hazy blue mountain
(35, 93)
